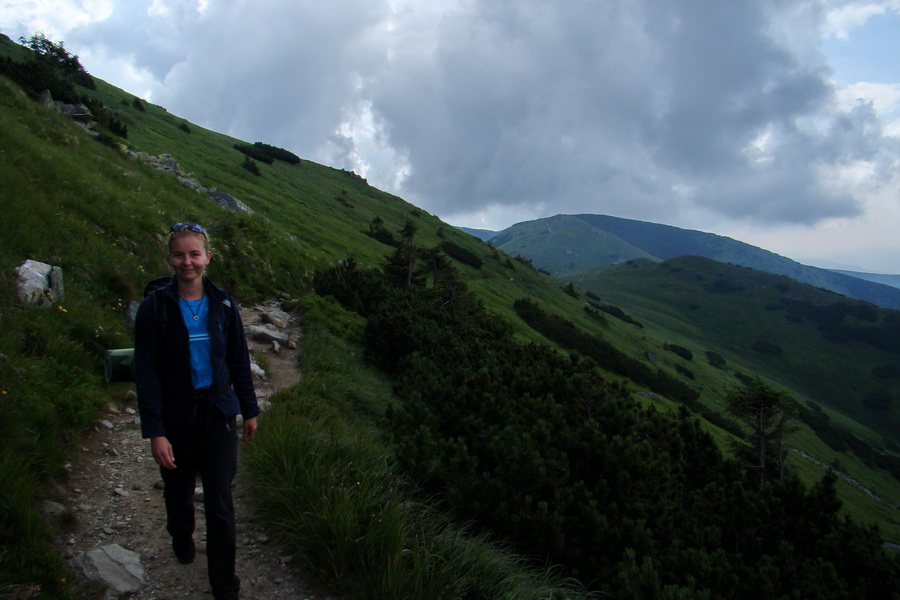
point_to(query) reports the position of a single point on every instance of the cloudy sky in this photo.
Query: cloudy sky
(776, 122)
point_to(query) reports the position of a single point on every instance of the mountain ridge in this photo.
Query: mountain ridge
(564, 247)
(883, 279)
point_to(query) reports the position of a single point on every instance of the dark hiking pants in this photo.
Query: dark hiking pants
(204, 441)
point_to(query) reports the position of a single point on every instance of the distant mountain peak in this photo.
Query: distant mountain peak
(566, 245)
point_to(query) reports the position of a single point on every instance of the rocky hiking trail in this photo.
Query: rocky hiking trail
(114, 498)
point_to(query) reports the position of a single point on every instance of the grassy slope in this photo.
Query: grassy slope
(834, 374)
(101, 216)
(672, 301)
(565, 245)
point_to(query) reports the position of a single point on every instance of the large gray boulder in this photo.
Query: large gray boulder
(40, 284)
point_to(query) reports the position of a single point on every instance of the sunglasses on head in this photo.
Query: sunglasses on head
(195, 227)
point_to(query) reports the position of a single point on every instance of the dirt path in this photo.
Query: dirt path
(115, 494)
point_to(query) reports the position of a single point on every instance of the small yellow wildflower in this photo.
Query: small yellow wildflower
(61, 309)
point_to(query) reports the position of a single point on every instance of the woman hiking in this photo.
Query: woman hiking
(192, 374)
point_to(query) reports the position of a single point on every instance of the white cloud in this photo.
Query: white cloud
(844, 16)
(54, 18)
(885, 99)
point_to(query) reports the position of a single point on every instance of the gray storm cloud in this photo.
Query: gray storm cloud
(611, 107)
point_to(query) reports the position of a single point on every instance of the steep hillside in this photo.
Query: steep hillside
(838, 358)
(568, 244)
(837, 352)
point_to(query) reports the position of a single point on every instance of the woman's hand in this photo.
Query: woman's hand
(162, 452)
(249, 429)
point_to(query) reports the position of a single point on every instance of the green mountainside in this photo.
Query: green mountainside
(584, 424)
(837, 352)
(565, 245)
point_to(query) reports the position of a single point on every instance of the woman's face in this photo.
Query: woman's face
(188, 256)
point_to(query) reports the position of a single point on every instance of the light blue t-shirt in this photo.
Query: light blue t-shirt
(194, 313)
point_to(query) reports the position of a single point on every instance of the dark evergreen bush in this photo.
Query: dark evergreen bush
(715, 359)
(570, 290)
(766, 347)
(467, 257)
(250, 165)
(379, 232)
(879, 400)
(273, 153)
(680, 351)
(685, 371)
(595, 314)
(618, 313)
(254, 153)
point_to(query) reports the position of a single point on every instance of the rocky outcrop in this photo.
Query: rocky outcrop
(77, 112)
(228, 202)
(166, 163)
(81, 115)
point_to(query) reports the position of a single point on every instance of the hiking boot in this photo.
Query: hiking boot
(184, 549)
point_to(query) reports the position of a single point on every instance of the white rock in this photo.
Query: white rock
(118, 568)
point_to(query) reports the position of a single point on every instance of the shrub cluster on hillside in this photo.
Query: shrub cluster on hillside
(846, 321)
(843, 441)
(680, 351)
(538, 448)
(250, 166)
(54, 69)
(616, 312)
(461, 254)
(568, 335)
(51, 67)
(267, 154)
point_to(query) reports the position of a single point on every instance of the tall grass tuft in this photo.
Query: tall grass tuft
(27, 559)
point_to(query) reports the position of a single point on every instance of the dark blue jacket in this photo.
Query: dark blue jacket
(162, 367)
